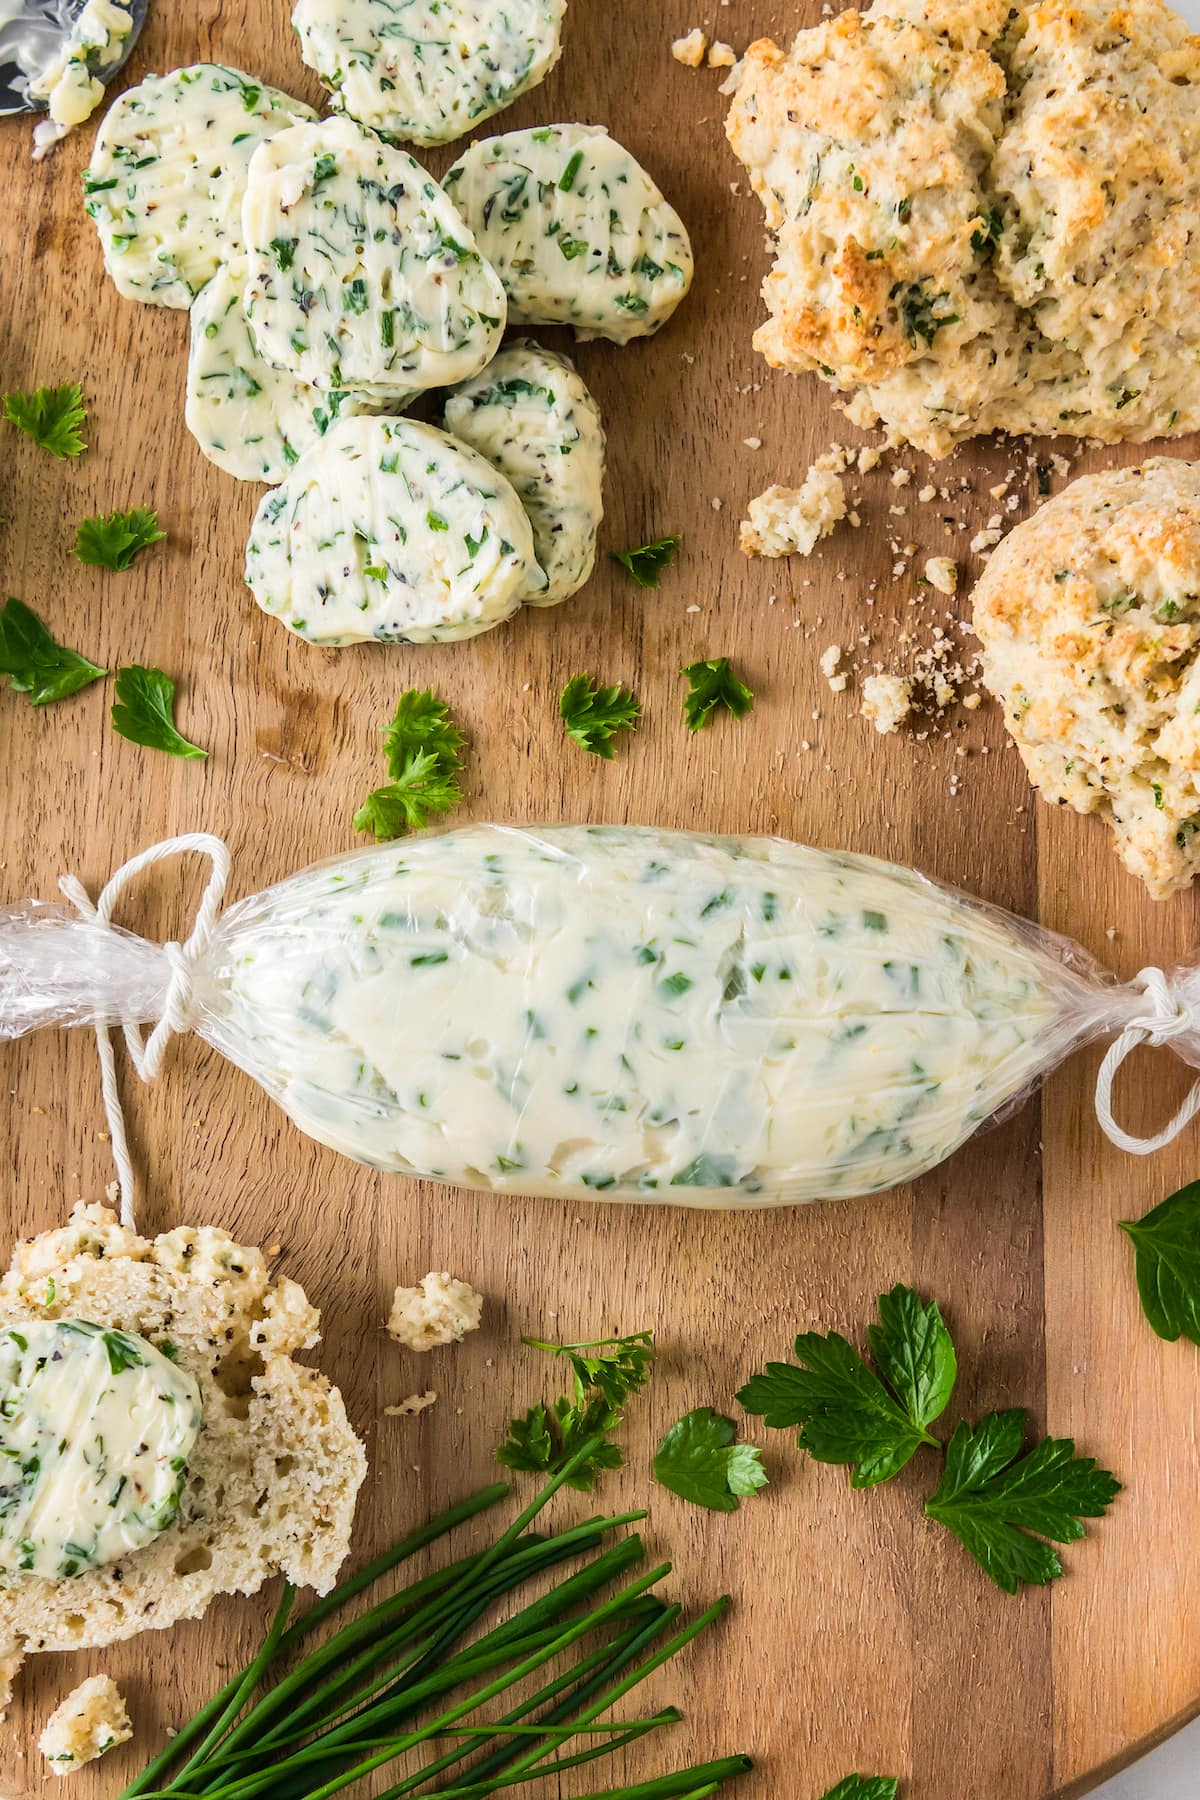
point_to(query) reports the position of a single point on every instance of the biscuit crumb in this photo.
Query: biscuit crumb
(439, 1310)
(91, 1720)
(887, 701)
(690, 50)
(790, 521)
(722, 56)
(828, 665)
(407, 1409)
(941, 572)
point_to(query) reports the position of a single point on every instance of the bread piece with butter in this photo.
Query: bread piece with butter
(266, 1484)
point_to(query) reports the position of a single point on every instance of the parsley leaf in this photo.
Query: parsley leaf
(699, 1461)
(423, 747)
(847, 1413)
(992, 1497)
(864, 1787)
(593, 715)
(1167, 1263)
(712, 684)
(113, 543)
(144, 711)
(421, 722)
(648, 561)
(52, 417)
(406, 804)
(914, 1353)
(622, 1367)
(34, 663)
(545, 1438)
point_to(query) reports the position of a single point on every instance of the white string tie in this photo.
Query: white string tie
(178, 1007)
(1165, 1018)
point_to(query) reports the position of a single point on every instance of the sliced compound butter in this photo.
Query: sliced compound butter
(253, 420)
(530, 414)
(640, 1014)
(168, 171)
(389, 530)
(96, 1428)
(576, 230)
(425, 71)
(361, 274)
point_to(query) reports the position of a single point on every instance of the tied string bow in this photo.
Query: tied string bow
(178, 1007)
(1166, 1016)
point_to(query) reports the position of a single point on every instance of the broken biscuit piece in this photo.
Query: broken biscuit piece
(791, 521)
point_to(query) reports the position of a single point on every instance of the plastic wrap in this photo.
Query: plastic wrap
(637, 1014)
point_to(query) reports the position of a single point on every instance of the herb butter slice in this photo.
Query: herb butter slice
(253, 420)
(361, 274)
(425, 71)
(636, 1014)
(96, 1428)
(168, 171)
(576, 230)
(530, 414)
(389, 530)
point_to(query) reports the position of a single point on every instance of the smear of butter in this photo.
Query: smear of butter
(63, 79)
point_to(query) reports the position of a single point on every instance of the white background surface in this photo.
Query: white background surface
(1171, 1772)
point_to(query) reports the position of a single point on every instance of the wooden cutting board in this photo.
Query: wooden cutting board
(862, 1637)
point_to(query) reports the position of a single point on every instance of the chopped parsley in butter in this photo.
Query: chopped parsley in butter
(575, 229)
(389, 531)
(361, 274)
(426, 71)
(634, 1013)
(96, 1427)
(168, 172)
(530, 414)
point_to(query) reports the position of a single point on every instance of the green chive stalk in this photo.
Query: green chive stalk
(309, 1726)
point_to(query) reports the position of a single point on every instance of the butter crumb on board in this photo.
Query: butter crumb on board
(92, 1719)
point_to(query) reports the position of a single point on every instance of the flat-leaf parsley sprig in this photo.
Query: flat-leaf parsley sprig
(113, 542)
(699, 1460)
(1166, 1241)
(605, 1373)
(864, 1787)
(423, 747)
(998, 1499)
(847, 1413)
(993, 1498)
(712, 684)
(647, 562)
(593, 714)
(53, 417)
(144, 712)
(35, 663)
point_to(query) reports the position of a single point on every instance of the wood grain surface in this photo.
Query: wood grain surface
(862, 1637)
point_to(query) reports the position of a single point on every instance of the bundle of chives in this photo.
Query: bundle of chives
(350, 1706)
